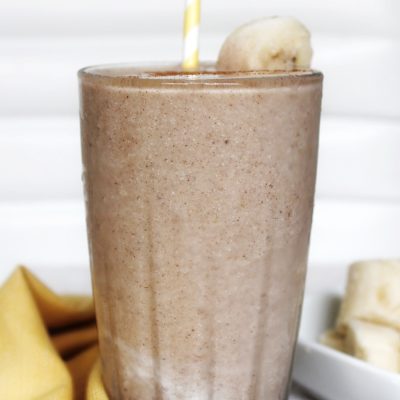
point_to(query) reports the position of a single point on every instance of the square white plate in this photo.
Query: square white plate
(332, 375)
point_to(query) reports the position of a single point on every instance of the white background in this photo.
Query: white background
(43, 43)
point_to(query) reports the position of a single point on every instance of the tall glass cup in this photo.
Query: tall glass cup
(199, 191)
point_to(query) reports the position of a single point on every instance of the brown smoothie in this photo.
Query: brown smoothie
(199, 194)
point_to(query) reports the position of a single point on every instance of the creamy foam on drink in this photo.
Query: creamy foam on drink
(199, 201)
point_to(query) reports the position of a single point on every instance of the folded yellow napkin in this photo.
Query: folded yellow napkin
(48, 343)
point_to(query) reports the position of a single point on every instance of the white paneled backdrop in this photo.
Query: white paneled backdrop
(44, 42)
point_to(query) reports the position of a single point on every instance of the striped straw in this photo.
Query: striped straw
(191, 35)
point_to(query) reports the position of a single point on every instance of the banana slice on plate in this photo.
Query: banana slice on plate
(376, 344)
(333, 339)
(372, 294)
(274, 43)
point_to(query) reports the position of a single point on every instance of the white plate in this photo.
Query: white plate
(332, 375)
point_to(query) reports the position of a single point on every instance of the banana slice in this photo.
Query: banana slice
(372, 294)
(333, 339)
(274, 43)
(375, 344)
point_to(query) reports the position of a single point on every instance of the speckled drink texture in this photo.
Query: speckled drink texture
(199, 204)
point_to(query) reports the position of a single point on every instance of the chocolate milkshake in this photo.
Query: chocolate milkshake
(199, 191)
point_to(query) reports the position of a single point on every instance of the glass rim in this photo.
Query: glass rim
(158, 74)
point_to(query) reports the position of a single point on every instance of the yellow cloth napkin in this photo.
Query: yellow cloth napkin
(48, 343)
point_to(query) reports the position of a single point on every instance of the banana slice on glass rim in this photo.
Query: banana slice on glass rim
(273, 43)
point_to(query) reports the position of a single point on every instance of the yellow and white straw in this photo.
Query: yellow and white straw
(191, 35)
